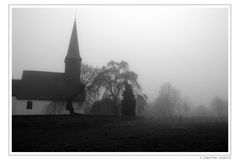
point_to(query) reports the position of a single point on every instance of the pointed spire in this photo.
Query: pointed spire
(73, 49)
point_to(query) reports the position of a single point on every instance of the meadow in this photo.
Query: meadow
(90, 133)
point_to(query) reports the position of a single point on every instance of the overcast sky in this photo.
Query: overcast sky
(184, 45)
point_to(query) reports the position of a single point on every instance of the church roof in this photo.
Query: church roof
(39, 85)
(15, 84)
(73, 48)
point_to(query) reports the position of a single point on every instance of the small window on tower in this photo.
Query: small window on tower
(29, 104)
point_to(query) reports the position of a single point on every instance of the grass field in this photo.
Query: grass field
(108, 134)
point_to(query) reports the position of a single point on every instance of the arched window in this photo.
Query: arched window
(29, 104)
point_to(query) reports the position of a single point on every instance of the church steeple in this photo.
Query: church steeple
(73, 49)
(73, 59)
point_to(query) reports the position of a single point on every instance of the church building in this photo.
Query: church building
(37, 91)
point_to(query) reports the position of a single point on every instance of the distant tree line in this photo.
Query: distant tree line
(170, 104)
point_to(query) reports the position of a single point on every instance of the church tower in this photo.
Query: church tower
(73, 59)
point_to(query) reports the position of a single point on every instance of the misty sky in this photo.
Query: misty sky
(184, 45)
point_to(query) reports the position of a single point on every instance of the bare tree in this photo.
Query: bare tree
(112, 78)
(168, 100)
(220, 107)
(184, 109)
(88, 75)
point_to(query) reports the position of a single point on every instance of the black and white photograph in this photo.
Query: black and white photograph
(120, 79)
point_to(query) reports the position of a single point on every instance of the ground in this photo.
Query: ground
(110, 134)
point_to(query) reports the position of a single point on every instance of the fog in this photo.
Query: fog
(186, 46)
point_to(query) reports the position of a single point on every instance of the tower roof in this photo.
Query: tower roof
(73, 48)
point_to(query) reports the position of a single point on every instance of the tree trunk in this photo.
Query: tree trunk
(70, 107)
(115, 106)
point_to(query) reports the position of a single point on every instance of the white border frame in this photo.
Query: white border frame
(208, 154)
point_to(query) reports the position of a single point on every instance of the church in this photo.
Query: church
(37, 90)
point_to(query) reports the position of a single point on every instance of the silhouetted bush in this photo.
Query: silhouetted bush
(103, 107)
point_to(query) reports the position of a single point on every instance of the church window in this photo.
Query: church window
(29, 104)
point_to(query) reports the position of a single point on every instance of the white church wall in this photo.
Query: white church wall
(19, 107)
